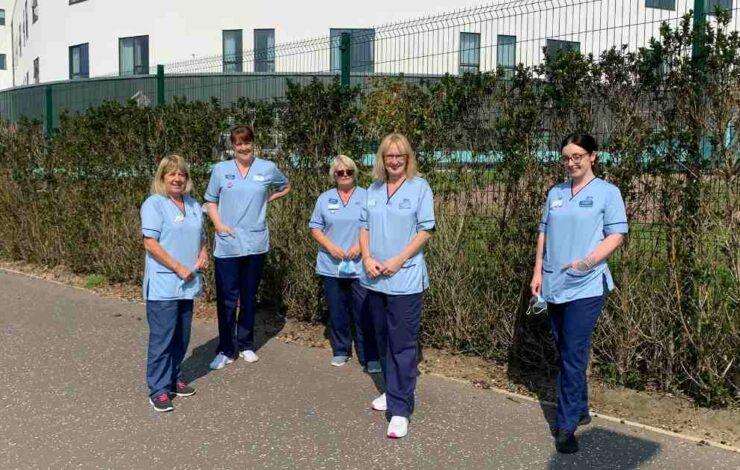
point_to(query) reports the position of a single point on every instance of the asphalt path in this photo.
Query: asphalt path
(73, 395)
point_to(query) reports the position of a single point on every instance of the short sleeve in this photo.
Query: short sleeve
(213, 190)
(615, 215)
(151, 219)
(545, 211)
(278, 178)
(425, 219)
(317, 220)
(363, 212)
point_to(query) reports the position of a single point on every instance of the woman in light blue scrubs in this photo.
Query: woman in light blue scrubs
(335, 225)
(172, 227)
(397, 221)
(237, 197)
(583, 222)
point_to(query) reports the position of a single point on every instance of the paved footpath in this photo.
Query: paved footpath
(73, 395)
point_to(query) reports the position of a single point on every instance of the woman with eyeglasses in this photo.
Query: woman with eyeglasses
(397, 221)
(583, 222)
(335, 225)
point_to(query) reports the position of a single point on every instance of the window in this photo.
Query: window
(25, 21)
(361, 51)
(133, 55)
(506, 54)
(556, 47)
(661, 4)
(232, 50)
(710, 6)
(264, 50)
(2, 17)
(3, 63)
(35, 10)
(36, 71)
(469, 52)
(72, 2)
(79, 62)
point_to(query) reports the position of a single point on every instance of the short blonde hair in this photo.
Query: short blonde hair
(342, 160)
(167, 165)
(379, 173)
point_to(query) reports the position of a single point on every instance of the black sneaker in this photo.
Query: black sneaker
(183, 390)
(565, 442)
(585, 419)
(161, 402)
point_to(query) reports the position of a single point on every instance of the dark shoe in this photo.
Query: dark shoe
(161, 402)
(585, 419)
(183, 390)
(565, 442)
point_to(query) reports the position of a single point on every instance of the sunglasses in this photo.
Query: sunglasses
(343, 173)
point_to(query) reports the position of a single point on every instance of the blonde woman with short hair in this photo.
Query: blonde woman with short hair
(397, 222)
(335, 225)
(172, 228)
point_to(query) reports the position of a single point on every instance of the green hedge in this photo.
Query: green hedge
(666, 122)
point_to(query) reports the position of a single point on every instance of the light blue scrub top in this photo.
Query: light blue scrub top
(180, 235)
(574, 225)
(392, 223)
(341, 224)
(242, 205)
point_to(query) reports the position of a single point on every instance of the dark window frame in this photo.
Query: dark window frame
(72, 2)
(364, 49)
(36, 71)
(552, 52)
(502, 40)
(233, 64)
(3, 62)
(2, 18)
(668, 5)
(264, 59)
(84, 71)
(34, 11)
(711, 5)
(141, 69)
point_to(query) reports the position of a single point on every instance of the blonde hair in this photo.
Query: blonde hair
(379, 172)
(345, 161)
(167, 165)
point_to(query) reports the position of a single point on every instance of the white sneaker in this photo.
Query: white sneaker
(220, 361)
(398, 427)
(249, 355)
(379, 404)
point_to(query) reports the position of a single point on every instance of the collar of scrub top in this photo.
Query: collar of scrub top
(388, 195)
(249, 170)
(184, 210)
(348, 199)
(582, 187)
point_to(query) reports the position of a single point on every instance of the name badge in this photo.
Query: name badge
(230, 177)
(259, 178)
(586, 203)
(556, 203)
(371, 203)
(179, 218)
(405, 204)
(333, 207)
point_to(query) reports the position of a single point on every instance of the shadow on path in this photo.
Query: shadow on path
(601, 448)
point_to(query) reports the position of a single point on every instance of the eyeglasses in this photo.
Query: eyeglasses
(343, 173)
(400, 156)
(575, 158)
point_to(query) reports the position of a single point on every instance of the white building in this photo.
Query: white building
(67, 39)
(6, 56)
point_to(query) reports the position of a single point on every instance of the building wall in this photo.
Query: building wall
(6, 76)
(180, 30)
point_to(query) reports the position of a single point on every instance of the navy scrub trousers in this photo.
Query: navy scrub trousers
(237, 281)
(346, 300)
(573, 325)
(397, 319)
(169, 335)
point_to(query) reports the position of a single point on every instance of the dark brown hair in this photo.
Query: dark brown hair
(586, 141)
(242, 134)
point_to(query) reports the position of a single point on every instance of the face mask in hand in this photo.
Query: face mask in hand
(346, 268)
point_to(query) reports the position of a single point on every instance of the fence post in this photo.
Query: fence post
(700, 16)
(48, 101)
(345, 58)
(160, 85)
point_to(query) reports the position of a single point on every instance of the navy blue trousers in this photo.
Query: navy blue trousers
(169, 335)
(237, 281)
(347, 303)
(572, 326)
(397, 319)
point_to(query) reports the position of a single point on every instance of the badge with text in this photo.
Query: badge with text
(371, 203)
(556, 203)
(229, 177)
(179, 218)
(588, 202)
(259, 177)
(405, 204)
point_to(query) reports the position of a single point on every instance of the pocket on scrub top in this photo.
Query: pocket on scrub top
(164, 284)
